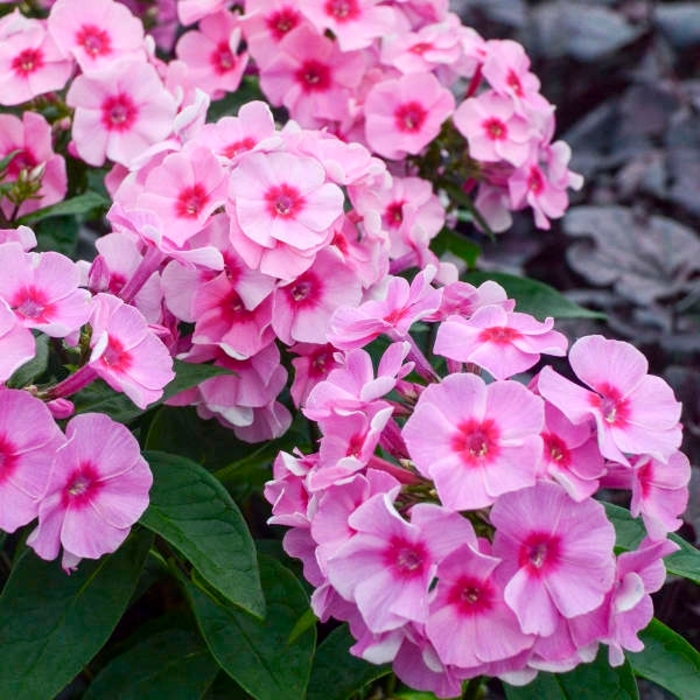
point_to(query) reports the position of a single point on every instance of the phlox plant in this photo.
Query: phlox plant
(270, 437)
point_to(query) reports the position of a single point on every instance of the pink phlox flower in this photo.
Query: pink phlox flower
(120, 110)
(469, 622)
(191, 11)
(571, 455)
(353, 386)
(287, 492)
(22, 235)
(356, 24)
(502, 342)
(97, 490)
(231, 137)
(494, 130)
(303, 306)
(17, 342)
(212, 54)
(97, 33)
(421, 12)
(634, 412)
(30, 62)
(557, 554)
(283, 201)
(312, 77)
(660, 492)
(507, 69)
(36, 159)
(404, 115)
(184, 191)
(42, 290)
(126, 353)
(464, 299)
(270, 422)
(493, 203)
(29, 438)
(401, 307)
(387, 567)
(313, 364)
(475, 441)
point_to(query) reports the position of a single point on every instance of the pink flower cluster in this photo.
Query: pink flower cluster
(451, 520)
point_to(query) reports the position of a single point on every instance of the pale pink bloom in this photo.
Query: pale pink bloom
(120, 111)
(530, 186)
(30, 62)
(507, 69)
(635, 413)
(557, 555)
(190, 11)
(17, 342)
(493, 203)
(212, 56)
(312, 365)
(303, 306)
(32, 138)
(386, 568)
(464, 299)
(184, 191)
(165, 25)
(22, 235)
(283, 201)
(270, 422)
(126, 353)
(356, 24)
(311, 77)
(42, 290)
(475, 441)
(96, 33)
(494, 130)
(287, 492)
(469, 622)
(401, 307)
(404, 115)
(660, 492)
(502, 342)
(29, 438)
(97, 490)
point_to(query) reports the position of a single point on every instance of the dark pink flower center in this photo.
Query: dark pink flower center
(556, 451)
(282, 21)
(501, 335)
(535, 182)
(514, 83)
(284, 201)
(306, 290)
(611, 404)
(237, 147)
(33, 304)
(94, 40)
(320, 362)
(314, 76)
(471, 596)
(115, 357)
(409, 116)
(81, 486)
(222, 58)
(28, 61)
(24, 160)
(407, 559)
(495, 129)
(191, 201)
(119, 112)
(355, 445)
(8, 458)
(342, 10)
(420, 48)
(393, 214)
(476, 441)
(540, 552)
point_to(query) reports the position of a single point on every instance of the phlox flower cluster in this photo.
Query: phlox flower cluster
(86, 487)
(448, 517)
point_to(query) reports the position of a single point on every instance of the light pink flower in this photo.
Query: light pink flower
(557, 554)
(507, 69)
(17, 342)
(96, 33)
(404, 115)
(97, 490)
(120, 111)
(29, 437)
(475, 441)
(502, 342)
(634, 412)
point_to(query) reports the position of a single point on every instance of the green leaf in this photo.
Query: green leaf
(335, 674)
(258, 654)
(101, 398)
(630, 532)
(173, 664)
(534, 297)
(29, 371)
(586, 682)
(463, 248)
(669, 661)
(59, 234)
(192, 511)
(6, 160)
(81, 204)
(52, 624)
(188, 375)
